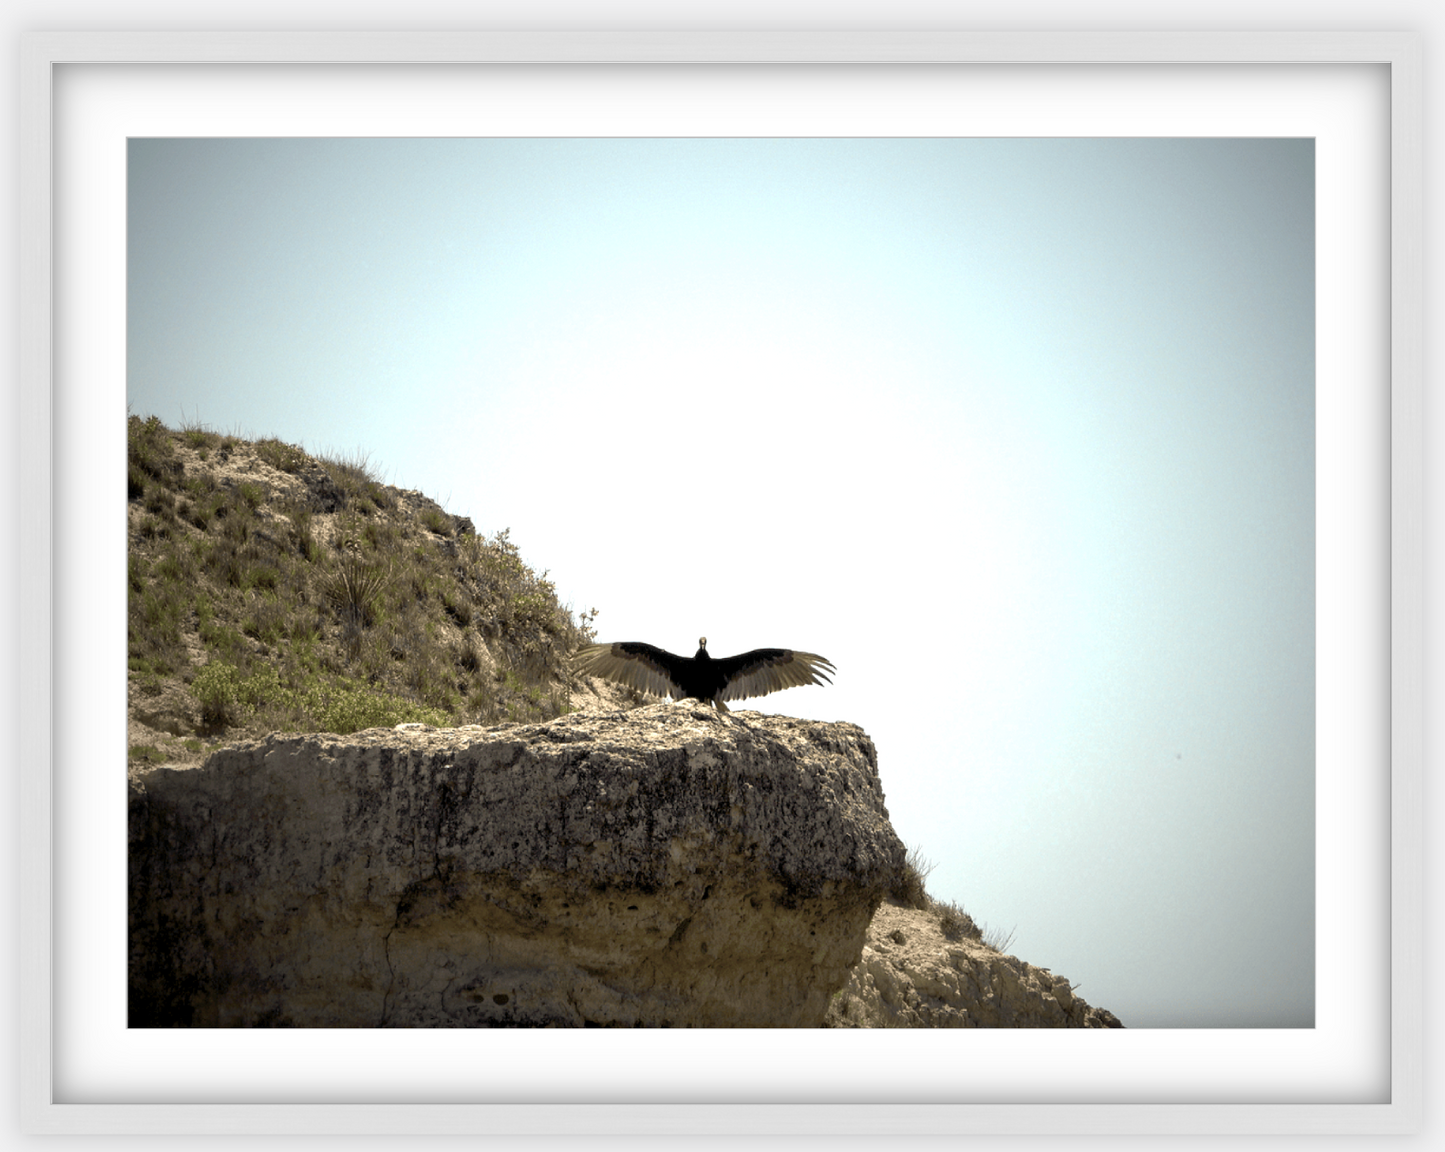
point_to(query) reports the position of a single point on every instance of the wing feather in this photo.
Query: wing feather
(765, 670)
(632, 664)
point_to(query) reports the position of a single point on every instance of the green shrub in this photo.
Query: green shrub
(348, 710)
(148, 683)
(280, 455)
(304, 632)
(225, 696)
(217, 690)
(150, 449)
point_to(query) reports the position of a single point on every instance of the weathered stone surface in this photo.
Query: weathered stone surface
(666, 866)
(912, 976)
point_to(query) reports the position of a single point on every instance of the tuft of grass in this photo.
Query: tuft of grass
(355, 465)
(998, 940)
(205, 505)
(908, 889)
(175, 566)
(252, 495)
(435, 520)
(955, 923)
(161, 502)
(199, 436)
(302, 535)
(356, 481)
(457, 607)
(383, 536)
(155, 644)
(907, 885)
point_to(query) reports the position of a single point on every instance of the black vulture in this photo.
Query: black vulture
(700, 677)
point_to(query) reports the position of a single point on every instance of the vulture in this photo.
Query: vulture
(700, 677)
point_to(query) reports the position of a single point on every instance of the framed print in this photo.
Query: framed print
(1349, 1062)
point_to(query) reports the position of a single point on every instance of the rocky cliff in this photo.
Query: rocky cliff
(664, 866)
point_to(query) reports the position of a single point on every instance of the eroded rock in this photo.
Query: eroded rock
(665, 866)
(912, 976)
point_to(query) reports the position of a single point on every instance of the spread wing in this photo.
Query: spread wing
(634, 664)
(765, 670)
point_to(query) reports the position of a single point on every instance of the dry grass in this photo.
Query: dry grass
(908, 889)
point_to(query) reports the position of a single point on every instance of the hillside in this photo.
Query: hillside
(275, 590)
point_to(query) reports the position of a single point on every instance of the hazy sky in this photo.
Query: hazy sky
(1019, 433)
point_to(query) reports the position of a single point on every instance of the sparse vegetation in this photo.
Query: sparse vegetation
(321, 600)
(908, 888)
(280, 455)
(955, 924)
(998, 940)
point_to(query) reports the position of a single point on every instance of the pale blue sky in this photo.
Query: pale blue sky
(1019, 433)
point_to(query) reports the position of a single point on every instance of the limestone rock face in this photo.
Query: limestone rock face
(665, 866)
(912, 976)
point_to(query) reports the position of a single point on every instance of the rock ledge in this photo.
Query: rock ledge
(664, 866)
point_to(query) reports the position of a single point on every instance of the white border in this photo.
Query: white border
(42, 1115)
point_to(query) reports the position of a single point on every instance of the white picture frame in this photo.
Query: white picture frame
(44, 53)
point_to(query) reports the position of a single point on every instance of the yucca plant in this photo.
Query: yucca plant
(357, 586)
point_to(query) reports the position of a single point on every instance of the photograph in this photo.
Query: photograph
(465, 434)
(659, 594)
